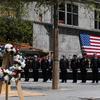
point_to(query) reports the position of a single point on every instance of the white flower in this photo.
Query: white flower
(8, 46)
(12, 68)
(23, 64)
(20, 60)
(8, 71)
(8, 49)
(6, 78)
(1, 74)
(17, 58)
(14, 50)
(19, 68)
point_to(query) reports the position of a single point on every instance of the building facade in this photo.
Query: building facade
(74, 19)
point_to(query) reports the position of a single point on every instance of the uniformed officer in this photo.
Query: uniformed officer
(84, 64)
(26, 69)
(45, 68)
(64, 65)
(95, 65)
(50, 65)
(36, 67)
(74, 67)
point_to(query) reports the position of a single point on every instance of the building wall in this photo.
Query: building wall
(41, 37)
(86, 17)
(33, 13)
(69, 43)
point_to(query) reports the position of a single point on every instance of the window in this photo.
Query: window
(68, 14)
(72, 14)
(61, 13)
(97, 19)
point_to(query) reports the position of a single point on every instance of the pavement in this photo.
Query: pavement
(66, 91)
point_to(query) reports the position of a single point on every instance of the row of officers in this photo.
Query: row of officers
(75, 64)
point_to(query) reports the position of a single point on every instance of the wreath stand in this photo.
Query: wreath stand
(5, 88)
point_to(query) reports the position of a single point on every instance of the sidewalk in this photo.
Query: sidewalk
(67, 91)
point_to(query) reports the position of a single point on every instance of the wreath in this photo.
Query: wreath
(13, 71)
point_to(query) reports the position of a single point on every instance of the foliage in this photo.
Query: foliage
(12, 28)
(15, 30)
(14, 7)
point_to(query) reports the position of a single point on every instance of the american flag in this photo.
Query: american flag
(90, 44)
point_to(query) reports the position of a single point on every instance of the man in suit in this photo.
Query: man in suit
(74, 67)
(26, 69)
(84, 64)
(45, 68)
(64, 65)
(35, 67)
(95, 63)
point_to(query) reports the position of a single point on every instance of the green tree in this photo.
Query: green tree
(12, 29)
(12, 8)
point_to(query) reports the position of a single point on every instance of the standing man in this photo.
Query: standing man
(95, 63)
(35, 67)
(74, 67)
(26, 69)
(84, 64)
(64, 65)
(45, 68)
(50, 65)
